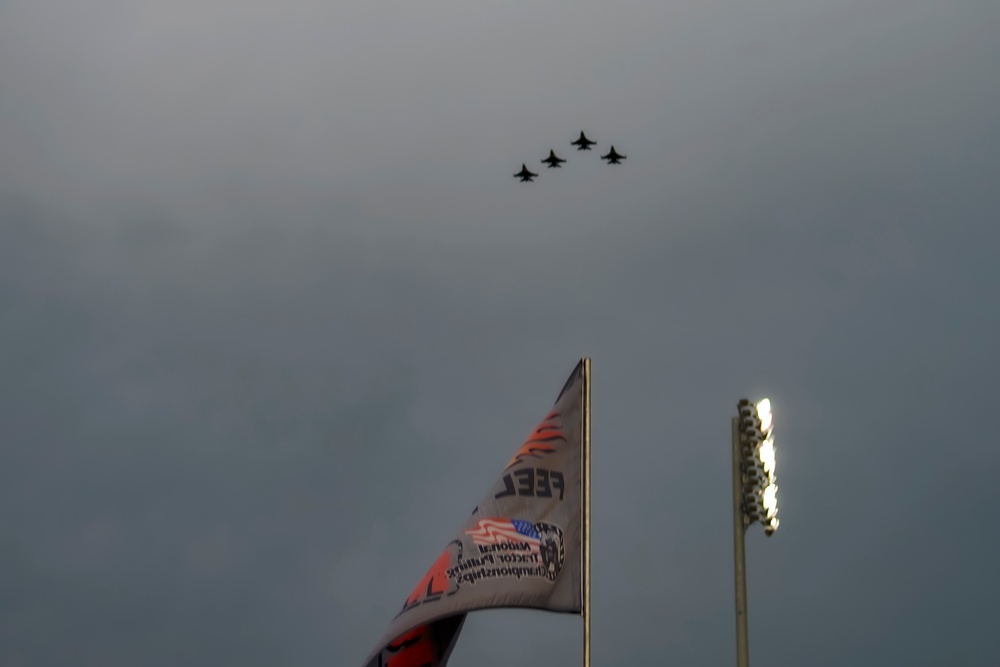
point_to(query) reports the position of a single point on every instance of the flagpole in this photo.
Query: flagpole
(586, 512)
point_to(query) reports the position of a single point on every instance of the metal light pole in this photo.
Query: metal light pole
(739, 555)
(754, 499)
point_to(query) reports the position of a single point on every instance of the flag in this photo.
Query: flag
(522, 546)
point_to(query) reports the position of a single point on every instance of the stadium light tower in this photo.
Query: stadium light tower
(754, 498)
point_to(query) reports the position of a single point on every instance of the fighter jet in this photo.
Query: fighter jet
(613, 157)
(525, 175)
(553, 161)
(583, 143)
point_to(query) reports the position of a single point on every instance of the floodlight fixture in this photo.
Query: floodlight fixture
(764, 415)
(769, 500)
(766, 453)
(757, 463)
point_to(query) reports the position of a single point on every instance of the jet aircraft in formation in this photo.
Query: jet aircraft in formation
(613, 157)
(525, 175)
(554, 161)
(583, 143)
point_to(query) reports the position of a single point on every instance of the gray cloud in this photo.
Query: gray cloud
(273, 312)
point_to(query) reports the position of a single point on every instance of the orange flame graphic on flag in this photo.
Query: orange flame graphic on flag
(435, 583)
(416, 648)
(541, 441)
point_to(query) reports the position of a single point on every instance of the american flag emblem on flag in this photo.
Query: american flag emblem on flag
(497, 531)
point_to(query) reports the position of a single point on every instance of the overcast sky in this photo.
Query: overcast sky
(274, 314)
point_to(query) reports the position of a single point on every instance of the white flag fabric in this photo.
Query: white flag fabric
(520, 547)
